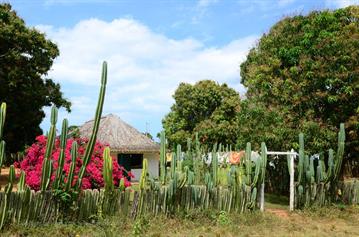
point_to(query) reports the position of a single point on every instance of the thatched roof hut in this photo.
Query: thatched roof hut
(126, 143)
(121, 137)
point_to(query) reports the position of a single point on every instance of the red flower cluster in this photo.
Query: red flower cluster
(32, 164)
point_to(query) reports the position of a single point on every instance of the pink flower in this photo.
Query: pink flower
(34, 156)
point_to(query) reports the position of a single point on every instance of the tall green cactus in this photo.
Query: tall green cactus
(52, 133)
(12, 176)
(107, 170)
(263, 162)
(179, 157)
(4, 204)
(257, 171)
(2, 153)
(121, 184)
(21, 184)
(61, 160)
(317, 183)
(197, 161)
(330, 164)
(144, 175)
(2, 118)
(248, 164)
(163, 158)
(340, 151)
(215, 167)
(2, 143)
(92, 141)
(47, 162)
(70, 176)
(301, 158)
(173, 165)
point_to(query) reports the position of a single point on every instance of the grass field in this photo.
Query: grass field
(276, 221)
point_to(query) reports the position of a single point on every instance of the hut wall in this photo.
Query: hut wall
(153, 166)
(153, 163)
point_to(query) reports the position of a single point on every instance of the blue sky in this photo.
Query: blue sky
(151, 46)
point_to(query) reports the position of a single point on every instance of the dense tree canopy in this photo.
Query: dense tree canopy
(303, 75)
(207, 108)
(25, 58)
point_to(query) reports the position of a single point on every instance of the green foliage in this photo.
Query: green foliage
(302, 77)
(139, 227)
(25, 58)
(223, 219)
(207, 108)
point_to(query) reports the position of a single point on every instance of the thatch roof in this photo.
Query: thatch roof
(120, 136)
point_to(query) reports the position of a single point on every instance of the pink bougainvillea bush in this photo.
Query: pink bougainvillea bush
(32, 164)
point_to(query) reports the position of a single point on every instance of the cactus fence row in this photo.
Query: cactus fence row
(318, 176)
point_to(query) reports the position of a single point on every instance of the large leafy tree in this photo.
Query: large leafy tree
(25, 58)
(207, 108)
(304, 75)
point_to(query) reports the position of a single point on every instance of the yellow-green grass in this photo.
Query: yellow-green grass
(333, 221)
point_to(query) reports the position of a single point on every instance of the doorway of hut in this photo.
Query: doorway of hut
(130, 162)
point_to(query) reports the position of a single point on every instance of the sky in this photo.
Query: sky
(151, 47)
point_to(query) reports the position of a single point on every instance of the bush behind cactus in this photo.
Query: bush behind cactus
(32, 164)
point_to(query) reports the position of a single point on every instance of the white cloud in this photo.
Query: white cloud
(285, 2)
(69, 2)
(265, 6)
(144, 67)
(201, 9)
(341, 3)
(206, 3)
